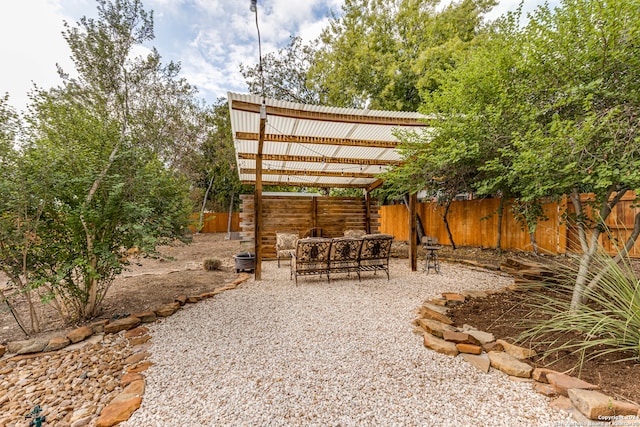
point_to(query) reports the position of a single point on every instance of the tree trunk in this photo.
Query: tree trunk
(534, 243)
(419, 227)
(204, 204)
(230, 215)
(500, 217)
(590, 246)
(446, 224)
(15, 315)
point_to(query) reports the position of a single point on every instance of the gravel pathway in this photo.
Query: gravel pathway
(342, 354)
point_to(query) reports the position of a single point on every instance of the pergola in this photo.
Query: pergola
(291, 144)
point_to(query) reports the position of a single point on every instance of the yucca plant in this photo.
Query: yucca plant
(608, 323)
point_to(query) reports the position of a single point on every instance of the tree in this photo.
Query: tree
(582, 57)
(545, 111)
(285, 74)
(217, 163)
(378, 54)
(112, 186)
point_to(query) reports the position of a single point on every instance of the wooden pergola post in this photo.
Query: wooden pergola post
(367, 201)
(257, 195)
(413, 247)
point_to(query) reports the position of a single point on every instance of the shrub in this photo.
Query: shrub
(212, 264)
(608, 323)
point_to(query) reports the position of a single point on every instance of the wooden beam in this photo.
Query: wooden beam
(367, 201)
(413, 248)
(329, 117)
(308, 184)
(310, 173)
(320, 159)
(374, 185)
(258, 199)
(292, 139)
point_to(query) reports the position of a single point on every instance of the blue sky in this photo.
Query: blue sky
(210, 38)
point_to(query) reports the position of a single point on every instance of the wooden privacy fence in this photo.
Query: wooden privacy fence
(475, 223)
(216, 222)
(301, 213)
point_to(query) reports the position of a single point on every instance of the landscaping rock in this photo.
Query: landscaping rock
(563, 382)
(193, 300)
(438, 308)
(517, 351)
(80, 334)
(182, 299)
(135, 388)
(427, 313)
(510, 365)
(474, 294)
(469, 348)
(121, 325)
(130, 377)
(452, 299)
(483, 337)
(146, 316)
(118, 412)
(481, 361)
(141, 367)
(434, 327)
(492, 346)
(136, 341)
(57, 343)
(581, 420)
(27, 347)
(98, 327)
(136, 332)
(562, 403)
(459, 337)
(135, 358)
(545, 389)
(3, 350)
(595, 405)
(440, 345)
(540, 374)
(167, 309)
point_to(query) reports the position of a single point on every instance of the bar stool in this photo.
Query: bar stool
(431, 247)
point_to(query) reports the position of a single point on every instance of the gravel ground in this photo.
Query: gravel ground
(270, 353)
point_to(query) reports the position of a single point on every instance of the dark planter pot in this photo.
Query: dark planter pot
(245, 261)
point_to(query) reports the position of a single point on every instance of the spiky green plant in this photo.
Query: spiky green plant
(608, 323)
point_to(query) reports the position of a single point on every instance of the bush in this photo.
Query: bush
(212, 264)
(608, 323)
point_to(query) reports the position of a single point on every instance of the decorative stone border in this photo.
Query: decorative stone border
(130, 398)
(483, 351)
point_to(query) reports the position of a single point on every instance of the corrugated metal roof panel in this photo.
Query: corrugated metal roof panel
(298, 120)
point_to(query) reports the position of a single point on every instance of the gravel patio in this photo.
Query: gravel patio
(340, 353)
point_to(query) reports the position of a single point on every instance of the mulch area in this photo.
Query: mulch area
(502, 314)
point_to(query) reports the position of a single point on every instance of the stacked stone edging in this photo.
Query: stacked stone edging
(129, 330)
(483, 351)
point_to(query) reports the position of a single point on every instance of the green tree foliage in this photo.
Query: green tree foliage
(543, 110)
(97, 171)
(380, 53)
(285, 74)
(218, 172)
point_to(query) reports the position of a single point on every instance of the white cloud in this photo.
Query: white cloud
(31, 45)
(211, 38)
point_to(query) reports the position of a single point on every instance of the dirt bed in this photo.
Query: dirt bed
(147, 284)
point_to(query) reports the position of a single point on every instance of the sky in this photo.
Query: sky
(210, 38)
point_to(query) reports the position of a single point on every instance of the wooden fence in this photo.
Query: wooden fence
(475, 223)
(216, 222)
(301, 213)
